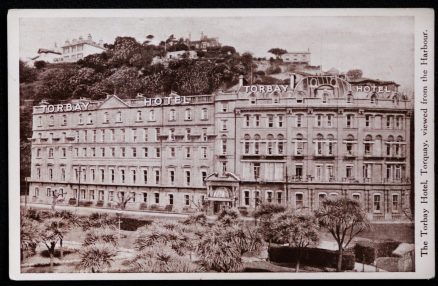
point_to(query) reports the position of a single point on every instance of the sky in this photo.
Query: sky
(382, 47)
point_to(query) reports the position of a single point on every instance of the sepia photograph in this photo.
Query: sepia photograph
(226, 143)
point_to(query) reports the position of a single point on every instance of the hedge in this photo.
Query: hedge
(367, 252)
(131, 224)
(311, 256)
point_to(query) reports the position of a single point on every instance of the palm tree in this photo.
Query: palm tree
(99, 249)
(50, 236)
(29, 236)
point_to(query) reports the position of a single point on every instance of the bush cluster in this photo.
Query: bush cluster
(311, 256)
(367, 252)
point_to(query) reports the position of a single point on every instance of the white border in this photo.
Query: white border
(424, 19)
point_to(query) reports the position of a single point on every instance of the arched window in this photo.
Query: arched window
(390, 138)
(280, 137)
(299, 136)
(330, 137)
(139, 116)
(247, 137)
(350, 137)
(188, 114)
(399, 138)
(368, 138)
(319, 136)
(172, 115)
(367, 144)
(51, 120)
(270, 137)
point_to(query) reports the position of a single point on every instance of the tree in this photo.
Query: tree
(277, 52)
(29, 236)
(265, 213)
(27, 74)
(98, 249)
(39, 64)
(57, 197)
(123, 200)
(50, 236)
(344, 219)
(228, 217)
(298, 229)
(354, 74)
(221, 248)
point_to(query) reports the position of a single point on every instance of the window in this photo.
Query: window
(247, 119)
(157, 177)
(64, 119)
(145, 135)
(172, 134)
(119, 116)
(204, 134)
(50, 173)
(224, 145)
(188, 178)
(269, 198)
(122, 175)
(224, 125)
(257, 120)
(145, 176)
(318, 172)
(157, 198)
(145, 197)
(330, 174)
(329, 120)
(204, 114)
(395, 203)
(224, 106)
(93, 152)
(187, 200)
(367, 171)
(299, 171)
(280, 120)
(188, 152)
(112, 173)
(172, 176)
(38, 171)
(257, 198)
(188, 132)
(146, 152)
(134, 135)
(106, 117)
(139, 116)
(84, 151)
(279, 197)
(133, 196)
(377, 203)
(299, 202)
(256, 170)
(122, 152)
(203, 177)
(157, 134)
(90, 118)
(188, 114)
(350, 118)
(91, 195)
(321, 198)
(62, 174)
(48, 192)
(246, 198)
(40, 121)
(111, 196)
(388, 121)
(158, 152)
(349, 97)
(319, 120)
(172, 115)
(270, 120)
(134, 176)
(204, 152)
(102, 175)
(64, 152)
(270, 145)
(113, 152)
(102, 135)
(349, 171)
(356, 197)
(112, 135)
(224, 167)
(367, 120)
(299, 121)
(81, 120)
(36, 192)
(152, 115)
(170, 199)
(50, 152)
(246, 144)
(252, 99)
(172, 152)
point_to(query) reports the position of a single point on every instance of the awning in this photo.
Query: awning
(219, 199)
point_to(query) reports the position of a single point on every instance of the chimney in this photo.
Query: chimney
(240, 80)
(292, 81)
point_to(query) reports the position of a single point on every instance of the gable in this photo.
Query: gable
(113, 102)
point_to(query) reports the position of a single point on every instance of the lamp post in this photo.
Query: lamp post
(119, 214)
(79, 185)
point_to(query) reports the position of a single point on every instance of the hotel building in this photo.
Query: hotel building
(292, 144)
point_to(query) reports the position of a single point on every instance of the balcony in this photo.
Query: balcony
(350, 180)
(349, 155)
(321, 155)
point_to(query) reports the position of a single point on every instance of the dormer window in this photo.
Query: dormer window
(90, 118)
(373, 98)
(188, 114)
(105, 117)
(139, 116)
(349, 97)
(252, 98)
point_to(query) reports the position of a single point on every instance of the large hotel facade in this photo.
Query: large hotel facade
(293, 144)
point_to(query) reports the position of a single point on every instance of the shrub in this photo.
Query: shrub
(273, 70)
(386, 247)
(364, 252)
(197, 218)
(99, 204)
(85, 203)
(243, 211)
(57, 253)
(168, 208)
(153, 207)
(72, 201)
(311, 256)
(132, 224)
(143, 206)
